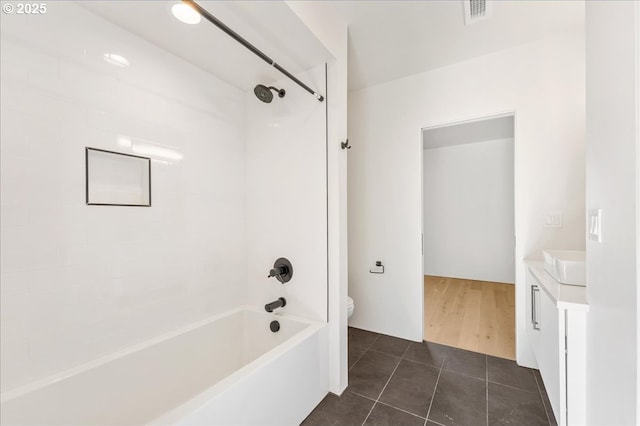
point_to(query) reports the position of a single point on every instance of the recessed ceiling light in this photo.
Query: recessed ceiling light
(117, 60)
(186, 13)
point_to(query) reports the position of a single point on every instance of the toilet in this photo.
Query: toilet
(349, 307)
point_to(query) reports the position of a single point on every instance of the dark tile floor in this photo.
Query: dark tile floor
(398, 382)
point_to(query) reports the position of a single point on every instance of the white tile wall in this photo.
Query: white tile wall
(286, 196)
(81, 281)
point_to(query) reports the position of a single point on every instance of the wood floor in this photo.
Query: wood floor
(475, 315)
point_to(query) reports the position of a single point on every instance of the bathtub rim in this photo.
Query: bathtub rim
(15, 393)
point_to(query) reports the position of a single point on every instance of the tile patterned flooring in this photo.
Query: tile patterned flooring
(398, 382)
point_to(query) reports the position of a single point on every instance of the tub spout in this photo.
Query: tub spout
(280, 303)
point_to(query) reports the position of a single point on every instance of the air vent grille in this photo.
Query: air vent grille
(476, 10)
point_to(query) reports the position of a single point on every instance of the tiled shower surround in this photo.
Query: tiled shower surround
(83, 281)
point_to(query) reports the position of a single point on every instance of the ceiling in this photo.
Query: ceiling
(387, 39)
(395, 39)
(489, 129)
(269, 25)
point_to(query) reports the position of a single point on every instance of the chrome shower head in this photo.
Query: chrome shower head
(263, 93)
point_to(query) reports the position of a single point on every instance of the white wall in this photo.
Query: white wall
(543, 83)
(287, 196)
(81, 281)
(468, 211)
(612, 32)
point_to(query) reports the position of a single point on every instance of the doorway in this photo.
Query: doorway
(468, 235)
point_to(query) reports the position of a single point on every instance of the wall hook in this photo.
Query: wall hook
(345, 144)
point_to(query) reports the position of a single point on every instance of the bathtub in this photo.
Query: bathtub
(229, 369)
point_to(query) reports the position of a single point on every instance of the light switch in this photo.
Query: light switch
(552, 220)
(595, 225)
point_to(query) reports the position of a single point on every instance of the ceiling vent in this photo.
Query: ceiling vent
(476, 10)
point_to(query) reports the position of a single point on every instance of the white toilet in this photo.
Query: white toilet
(349, 307)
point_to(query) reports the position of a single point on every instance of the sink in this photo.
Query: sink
(566, 266)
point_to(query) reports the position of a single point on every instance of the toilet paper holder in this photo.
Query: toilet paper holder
(378, 265)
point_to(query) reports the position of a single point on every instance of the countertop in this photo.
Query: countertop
(565, 296)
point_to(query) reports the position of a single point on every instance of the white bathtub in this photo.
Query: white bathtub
(229, 369)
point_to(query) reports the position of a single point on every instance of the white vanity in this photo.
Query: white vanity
(556, 325)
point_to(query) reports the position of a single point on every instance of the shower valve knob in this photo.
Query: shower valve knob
(282, 270)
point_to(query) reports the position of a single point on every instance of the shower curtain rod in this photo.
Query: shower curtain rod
(237, 37)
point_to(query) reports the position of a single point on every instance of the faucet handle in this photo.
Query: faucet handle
(282, 270)
(277, 272)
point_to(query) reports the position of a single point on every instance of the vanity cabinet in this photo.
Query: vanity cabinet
(556, 321)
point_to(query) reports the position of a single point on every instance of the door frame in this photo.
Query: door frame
(483, 117)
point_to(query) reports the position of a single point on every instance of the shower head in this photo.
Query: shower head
(263, 93)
